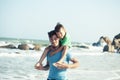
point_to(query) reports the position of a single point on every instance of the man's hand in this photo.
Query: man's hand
(75, 64)
(61, 65)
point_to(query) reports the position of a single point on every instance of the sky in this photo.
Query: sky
(84, 20)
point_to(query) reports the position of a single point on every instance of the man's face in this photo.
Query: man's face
(54, 40)
(61, 33)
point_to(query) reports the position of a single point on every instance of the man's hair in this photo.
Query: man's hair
(58, 27)
(51, 33)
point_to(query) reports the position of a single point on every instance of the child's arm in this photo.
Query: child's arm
(59, 49)
(39, 65)
(44, 55)
(64, 52)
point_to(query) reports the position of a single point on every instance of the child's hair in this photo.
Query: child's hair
(58, 27)
(51, 33)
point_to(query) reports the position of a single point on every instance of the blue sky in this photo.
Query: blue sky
(84, 20)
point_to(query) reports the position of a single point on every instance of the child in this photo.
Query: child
(65, 41)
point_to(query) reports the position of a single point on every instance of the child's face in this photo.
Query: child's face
(54, 40)
(61, 33)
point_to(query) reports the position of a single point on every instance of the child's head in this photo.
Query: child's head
(60, 30)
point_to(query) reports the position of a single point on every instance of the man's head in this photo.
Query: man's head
(54, 40)
(60, 30)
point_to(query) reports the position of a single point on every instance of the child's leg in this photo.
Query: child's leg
(64, 53)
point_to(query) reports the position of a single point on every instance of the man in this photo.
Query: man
(59, 72)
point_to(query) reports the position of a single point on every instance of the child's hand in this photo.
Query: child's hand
(38, 66)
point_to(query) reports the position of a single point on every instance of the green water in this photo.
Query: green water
(27, 41)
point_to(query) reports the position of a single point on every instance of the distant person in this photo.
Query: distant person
(65, 43)
(58, 72)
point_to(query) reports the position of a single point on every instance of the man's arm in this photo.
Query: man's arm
(75, 63)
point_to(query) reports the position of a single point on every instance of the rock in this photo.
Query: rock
(37, 47)
(11, 46)
(96, 44)
(116, 42)
(82, 46)
(99, 42)
(117, 36)
(108, 48)
(107, 40)
(23, 47)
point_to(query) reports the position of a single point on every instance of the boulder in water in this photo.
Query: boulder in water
(11, 46)
(116, 42)
(23, 47)
(108, 48)
(37, 47)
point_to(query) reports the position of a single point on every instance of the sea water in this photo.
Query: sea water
(18, 64)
